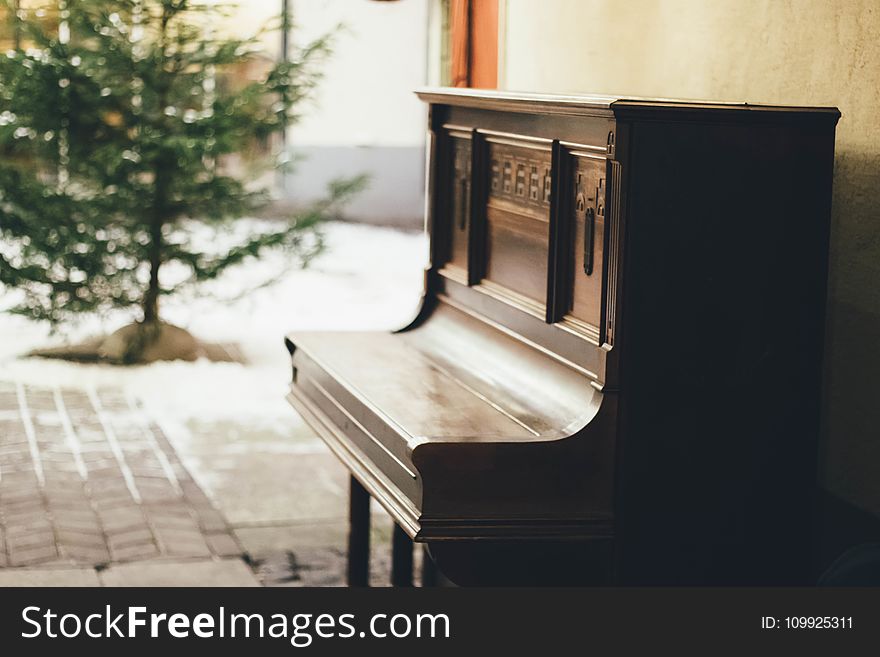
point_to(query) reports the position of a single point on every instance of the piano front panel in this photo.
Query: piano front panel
(457, 224)
(517, 217)
(521, 228)
(585, 213)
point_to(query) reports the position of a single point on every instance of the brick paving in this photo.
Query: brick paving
(87, 479)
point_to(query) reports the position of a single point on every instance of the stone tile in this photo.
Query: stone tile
(183, 543)
(186, 573)
(122, 538)
(122, 519)
(10, 505)
(26, 541)
(211, 520)
(32, 555)
(64, 481)
(315, 551)
(19, 513)
(31, 577)
(180, 527)
(380, 567)
(85, 539)
(71, 504)
(180, 508)
(26, 525)
(83, 525)
(261, 541)
(120, 499)
(197, 548)
(20, 497)
(223, 545)
(67, 495)
(97, 520)
(133, 552)
(79, 515)
(152, 492)
(175, 521)
(308, 567)
(316, 566)
(274, 488)
(104, 474)
(193, 493)
(85, 554)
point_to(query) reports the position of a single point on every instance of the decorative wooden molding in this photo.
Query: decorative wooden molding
(620, 106)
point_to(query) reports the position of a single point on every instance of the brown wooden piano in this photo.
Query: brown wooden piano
(615, 374)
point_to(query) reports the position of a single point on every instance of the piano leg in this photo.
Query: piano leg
(358, 535)
(401, 558)
(429, 569)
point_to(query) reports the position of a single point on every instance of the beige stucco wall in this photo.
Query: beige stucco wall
(804, 52)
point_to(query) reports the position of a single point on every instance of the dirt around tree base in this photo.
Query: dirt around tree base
(141, 343)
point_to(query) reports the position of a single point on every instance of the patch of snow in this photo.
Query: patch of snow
(367, 278)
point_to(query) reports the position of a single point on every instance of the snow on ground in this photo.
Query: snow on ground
(367, 278)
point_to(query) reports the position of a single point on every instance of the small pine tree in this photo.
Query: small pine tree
(120, 126)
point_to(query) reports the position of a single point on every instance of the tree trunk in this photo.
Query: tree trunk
(161, 184)
(151, 299)
(158, 216)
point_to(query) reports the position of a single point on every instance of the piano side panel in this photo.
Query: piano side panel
(724, 294)
(561, 488)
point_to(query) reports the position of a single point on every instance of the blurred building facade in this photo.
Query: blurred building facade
(365, 118)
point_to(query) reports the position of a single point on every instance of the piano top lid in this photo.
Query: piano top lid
(592, 105)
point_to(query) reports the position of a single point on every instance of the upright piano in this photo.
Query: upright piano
(615, 374)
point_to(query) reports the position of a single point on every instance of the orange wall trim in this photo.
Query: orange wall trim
(474, 41)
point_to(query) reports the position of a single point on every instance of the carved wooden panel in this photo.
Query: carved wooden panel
(518, 220)
(460, 199)
(587, 211)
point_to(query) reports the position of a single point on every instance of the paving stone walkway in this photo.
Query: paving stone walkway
(87, 479)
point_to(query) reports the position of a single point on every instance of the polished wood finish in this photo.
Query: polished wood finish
(615, 374)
